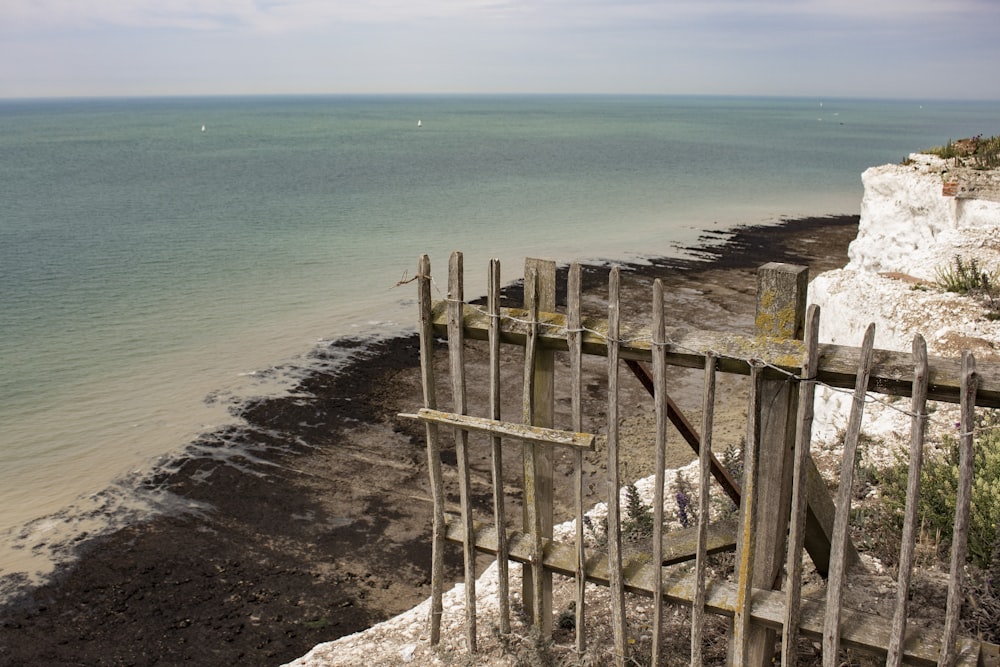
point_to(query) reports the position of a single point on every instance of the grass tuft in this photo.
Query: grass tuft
(977, 152)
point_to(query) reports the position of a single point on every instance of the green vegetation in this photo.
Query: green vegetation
(732, 459)
(965, 276)
(638, 523)
(977, 152)
(948, 151)
(877, 519)
(882, 524)
(939, 484)
(530, 650)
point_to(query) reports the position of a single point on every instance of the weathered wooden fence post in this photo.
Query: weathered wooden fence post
(841, 525)
(456, 355)
(433, 447)
(574, 341)
(496, 448)
(543, 401)
(963, 500)
(800, 488)
(918, 427)
(616, 583)
(781, 309)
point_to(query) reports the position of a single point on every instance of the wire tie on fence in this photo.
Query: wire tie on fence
(406, 281)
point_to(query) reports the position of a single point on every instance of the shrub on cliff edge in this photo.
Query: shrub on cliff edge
(965, 276)
(938, 490)
(977, 152)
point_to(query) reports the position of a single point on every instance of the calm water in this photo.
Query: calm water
(156, 255)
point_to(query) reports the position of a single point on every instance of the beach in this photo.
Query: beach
(310, 519)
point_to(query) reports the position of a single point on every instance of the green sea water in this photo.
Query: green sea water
(155, 253)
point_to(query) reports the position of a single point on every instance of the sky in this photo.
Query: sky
(914, 49)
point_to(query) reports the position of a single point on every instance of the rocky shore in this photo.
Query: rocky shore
(310, 520)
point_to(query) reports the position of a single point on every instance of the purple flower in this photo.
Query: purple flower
(682, 509)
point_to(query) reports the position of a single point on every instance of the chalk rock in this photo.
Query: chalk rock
(910, 230)
(909, 226)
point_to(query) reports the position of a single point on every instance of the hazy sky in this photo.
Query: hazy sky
(868, 48)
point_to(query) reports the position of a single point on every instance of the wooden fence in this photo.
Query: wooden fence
(784, 363)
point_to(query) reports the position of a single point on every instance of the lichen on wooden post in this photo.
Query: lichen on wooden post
(781, 300)
(781, 309)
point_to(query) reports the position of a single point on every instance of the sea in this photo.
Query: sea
(163, 258)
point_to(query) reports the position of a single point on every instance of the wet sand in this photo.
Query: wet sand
(315, 521)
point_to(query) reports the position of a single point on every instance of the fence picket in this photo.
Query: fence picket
(960, 536)
(800, 494)
(456, 355)
(747, 544)
(918, 424)
(496, 451)
(532, 504)
(704, 468)
(614, 484)
(539, 296)
(660, 444)
(574, 340)
(838, 546)
(433, 447)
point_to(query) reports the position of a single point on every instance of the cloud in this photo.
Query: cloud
(268, 15)
(284, 15)
(716, 46)
(61, 15)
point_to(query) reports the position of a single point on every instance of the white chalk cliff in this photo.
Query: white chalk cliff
(912, 226)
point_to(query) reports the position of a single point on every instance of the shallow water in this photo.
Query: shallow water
(153, 271)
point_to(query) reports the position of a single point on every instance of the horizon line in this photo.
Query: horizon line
(483, 94)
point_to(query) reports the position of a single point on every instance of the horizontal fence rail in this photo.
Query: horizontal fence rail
(892, 372)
